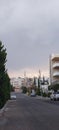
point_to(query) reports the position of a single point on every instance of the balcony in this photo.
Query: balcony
(55, 82)
(56, 65)
(56, 74)
(55, 58)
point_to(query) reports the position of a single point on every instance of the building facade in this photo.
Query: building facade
(54, 69)
(16, 83)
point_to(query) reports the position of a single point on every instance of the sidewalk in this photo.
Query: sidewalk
(5, 106)
(3, 109)
(43, 98)
(39, 97)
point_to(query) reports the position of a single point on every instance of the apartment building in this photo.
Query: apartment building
(16, 83)
(54, 69)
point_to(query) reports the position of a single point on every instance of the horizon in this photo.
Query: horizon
(28, 74)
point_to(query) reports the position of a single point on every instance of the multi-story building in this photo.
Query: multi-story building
(16, 83)
(54, 69)
(27, 82)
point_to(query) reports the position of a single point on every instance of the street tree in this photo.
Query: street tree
(4, 78)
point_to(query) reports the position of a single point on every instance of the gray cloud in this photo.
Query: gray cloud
(29, 30)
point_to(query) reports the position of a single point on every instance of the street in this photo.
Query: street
(30, 113)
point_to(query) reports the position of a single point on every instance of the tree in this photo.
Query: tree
(38, 83)
(4, 78)
(24, 89)
(3, 55)
(55, 87)
(43, 80)
(34, 82)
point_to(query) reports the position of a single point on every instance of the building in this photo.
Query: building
(54, 69)
(27, 82)
(16, 83)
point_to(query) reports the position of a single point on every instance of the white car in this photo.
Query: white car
(33, 94)
(13, 96)
(54, 96)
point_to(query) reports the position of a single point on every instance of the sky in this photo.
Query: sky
(29, 30)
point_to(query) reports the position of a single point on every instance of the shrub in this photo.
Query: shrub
(44, 94)
(55, 87)
(49, 94)
(38, 91)
(24, 89)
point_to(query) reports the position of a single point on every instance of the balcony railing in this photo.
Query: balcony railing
(56, 74)
(55, 65)
(55, 82)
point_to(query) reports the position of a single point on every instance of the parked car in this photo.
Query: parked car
(13, 96)
(54, 96)
(33, 94)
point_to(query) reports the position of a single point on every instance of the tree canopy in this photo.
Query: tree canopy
(4, 78)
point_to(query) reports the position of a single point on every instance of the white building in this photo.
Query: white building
(16, 83)
(27, 82)
(54, 69)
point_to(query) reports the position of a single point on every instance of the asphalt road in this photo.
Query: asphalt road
(30, 113)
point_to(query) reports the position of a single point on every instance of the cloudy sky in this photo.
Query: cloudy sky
(29, 30)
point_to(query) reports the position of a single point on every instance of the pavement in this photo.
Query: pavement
(3, 109)
(29, 113)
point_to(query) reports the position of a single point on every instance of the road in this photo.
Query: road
(30, 113)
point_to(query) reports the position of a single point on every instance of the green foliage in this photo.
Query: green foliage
(44, 94)
(4, 78)
(34, 83)
(49, 87)
(38, 91)
(29, 90)
(55, 87)
(49, 93)
(38, 83)
(24, 89)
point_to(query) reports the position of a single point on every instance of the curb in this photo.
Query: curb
(3, 109)
(39, 97)
(43, 98)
